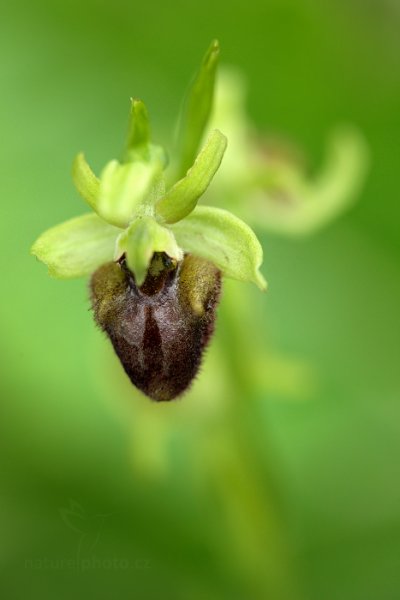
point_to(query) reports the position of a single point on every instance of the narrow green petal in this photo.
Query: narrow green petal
(144, 237)
(223, 239)
(181, 199)
(77, 247)
(197, 109)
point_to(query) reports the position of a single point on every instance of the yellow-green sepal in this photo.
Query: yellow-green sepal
(223, 239)
(76, 247)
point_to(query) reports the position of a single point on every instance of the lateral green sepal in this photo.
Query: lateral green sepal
(223, 239)
(76, 247)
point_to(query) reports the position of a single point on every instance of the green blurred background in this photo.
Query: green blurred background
(229, 493)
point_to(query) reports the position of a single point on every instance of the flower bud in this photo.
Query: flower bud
(160, 329)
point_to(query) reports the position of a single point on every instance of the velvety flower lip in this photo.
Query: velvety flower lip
(160, 330)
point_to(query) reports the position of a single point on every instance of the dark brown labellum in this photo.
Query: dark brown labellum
(160, 330)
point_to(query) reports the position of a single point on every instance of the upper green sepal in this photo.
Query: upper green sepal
(138, 139)
(138, 146)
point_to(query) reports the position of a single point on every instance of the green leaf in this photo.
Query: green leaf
(197, 108)
(77, 247)
(144, 237)
(138, 139)
(223, 239)
(85, 181)
(128, 190)
(181, 199)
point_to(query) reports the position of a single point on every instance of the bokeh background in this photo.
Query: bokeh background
(292, 492)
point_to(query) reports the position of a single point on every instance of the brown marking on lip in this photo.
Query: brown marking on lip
(160, 330)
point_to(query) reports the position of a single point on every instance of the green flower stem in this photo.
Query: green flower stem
(247, 482)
